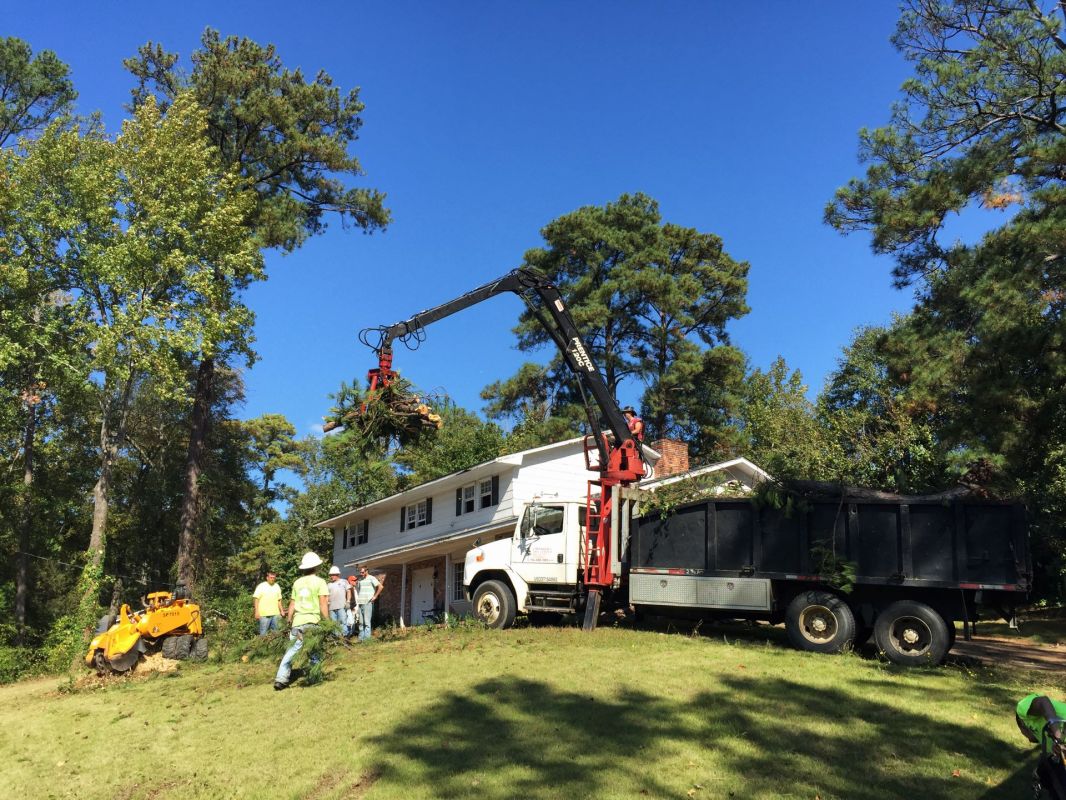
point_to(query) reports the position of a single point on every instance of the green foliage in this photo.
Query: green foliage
(17, 663)
(665, 499)
(34, 89)
(980, 130)
(319, 643)
(462, 441)
(835, 571)
(780, 428)
(649, 298)
(286, 136)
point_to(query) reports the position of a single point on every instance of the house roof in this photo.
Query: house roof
(755, 473)
(444, 538)
(484, 469)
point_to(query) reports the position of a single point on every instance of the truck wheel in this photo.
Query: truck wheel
(951, 634)
(819, 622)
(494, 604)
(911, 633)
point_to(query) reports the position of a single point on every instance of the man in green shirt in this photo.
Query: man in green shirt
(307, 606)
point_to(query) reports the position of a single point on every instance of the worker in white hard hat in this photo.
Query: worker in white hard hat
(308, 605)
(338, 598)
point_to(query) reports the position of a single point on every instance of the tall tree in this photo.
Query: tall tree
(273, 446)
(288, 139)
(981, 125)
(145, 223)
(649, 298)
(34, 89)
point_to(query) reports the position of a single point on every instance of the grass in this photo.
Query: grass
(535, 713)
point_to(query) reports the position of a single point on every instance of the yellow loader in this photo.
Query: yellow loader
(167, 623)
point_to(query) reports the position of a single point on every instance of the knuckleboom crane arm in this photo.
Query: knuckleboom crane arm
(620, 460)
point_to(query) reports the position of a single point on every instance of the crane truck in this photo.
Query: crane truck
(914, 565)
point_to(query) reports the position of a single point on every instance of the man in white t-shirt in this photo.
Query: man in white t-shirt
(266, 602)
(367, 590)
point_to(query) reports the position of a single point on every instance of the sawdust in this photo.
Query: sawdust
(155, 662)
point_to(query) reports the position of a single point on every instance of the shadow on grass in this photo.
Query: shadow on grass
(511, 737)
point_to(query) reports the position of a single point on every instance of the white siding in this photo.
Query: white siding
(385, 532)
(553, 473)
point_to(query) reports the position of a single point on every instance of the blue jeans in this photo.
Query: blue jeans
(267, 624)
(366, 611)
(296, 636)
(337, 615)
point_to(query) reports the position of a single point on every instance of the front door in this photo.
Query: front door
(421, 595)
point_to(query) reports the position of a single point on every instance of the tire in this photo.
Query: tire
(494, 604)
(177, 647)
(911, 633)
(198, 651)
(819, 622)
(951, 634)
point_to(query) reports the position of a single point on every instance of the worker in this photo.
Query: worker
(368, 589)
(635, 423)
(353, 607)
(338, 598)
(309, 604)
(266, 603)
(1034, 712)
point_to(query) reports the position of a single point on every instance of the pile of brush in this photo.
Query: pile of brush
(394, 413)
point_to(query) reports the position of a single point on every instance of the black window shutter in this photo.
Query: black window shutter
(495, 490)
(458, 502)
(429, 510)
(403, 518)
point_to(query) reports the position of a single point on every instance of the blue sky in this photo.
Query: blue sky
(484, 121)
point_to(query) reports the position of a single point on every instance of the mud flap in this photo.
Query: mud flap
(592, 610)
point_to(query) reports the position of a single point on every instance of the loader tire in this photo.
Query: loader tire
(198, 652)
(177, 647)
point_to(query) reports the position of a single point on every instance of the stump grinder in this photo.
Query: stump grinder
(167, 623)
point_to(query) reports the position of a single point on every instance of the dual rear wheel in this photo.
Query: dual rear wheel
(906, 631)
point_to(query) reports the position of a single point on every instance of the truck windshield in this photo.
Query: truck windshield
(542, 520)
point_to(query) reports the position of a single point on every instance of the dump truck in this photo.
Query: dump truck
(835, 571)
(167, 623)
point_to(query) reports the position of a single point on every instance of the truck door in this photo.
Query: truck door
(539, 546)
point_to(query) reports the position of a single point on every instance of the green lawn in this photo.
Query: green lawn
(532, 713)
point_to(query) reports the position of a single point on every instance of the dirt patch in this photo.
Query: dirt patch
(1012, 653)
(329, 782)
(362, 786)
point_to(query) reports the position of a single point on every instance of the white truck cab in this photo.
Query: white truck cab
(535, 570)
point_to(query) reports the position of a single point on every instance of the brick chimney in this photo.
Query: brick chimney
(674, 457)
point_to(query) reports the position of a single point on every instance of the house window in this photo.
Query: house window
(476, 496)
(417, 514)
(457, 584)
(359, 533)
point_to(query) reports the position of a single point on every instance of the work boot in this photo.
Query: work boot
(278, 686)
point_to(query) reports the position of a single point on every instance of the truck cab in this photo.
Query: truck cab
(535, 570)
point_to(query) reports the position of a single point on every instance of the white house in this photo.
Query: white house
(416, 540)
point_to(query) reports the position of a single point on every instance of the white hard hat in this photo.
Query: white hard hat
(310, 561)
(334, 570)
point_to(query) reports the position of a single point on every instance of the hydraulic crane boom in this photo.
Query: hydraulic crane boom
(619, 459)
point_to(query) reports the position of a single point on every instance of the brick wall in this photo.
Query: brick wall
(674, 457)
(388, 605)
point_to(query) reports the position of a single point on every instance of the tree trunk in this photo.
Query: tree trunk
(22, 566)
(188, 541)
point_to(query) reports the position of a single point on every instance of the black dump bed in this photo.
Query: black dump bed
(964, 542)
